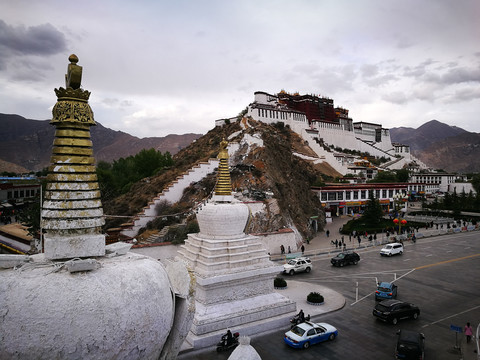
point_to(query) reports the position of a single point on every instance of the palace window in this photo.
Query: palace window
(355, 195)
(348, 195)
(363, 194)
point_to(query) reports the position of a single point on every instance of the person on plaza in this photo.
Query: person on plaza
(282, 249)
(336, 243)
(303, 249)
(359, 240)
(328, 233)
(289, 250)
(468, 332)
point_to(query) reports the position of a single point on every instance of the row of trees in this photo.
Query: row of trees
(456, 203)
(116, 178)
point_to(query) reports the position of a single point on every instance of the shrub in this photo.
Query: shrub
(315, 297)
(279, 282)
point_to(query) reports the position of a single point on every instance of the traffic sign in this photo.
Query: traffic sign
(455, 328)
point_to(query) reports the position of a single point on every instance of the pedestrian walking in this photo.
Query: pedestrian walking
(289, 250)
(359, 240)
(336, 244)
(303, 249)
(328, 233)
(468, 332)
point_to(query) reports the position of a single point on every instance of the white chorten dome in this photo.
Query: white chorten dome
(244, 351)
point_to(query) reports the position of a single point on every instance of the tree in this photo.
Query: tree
(373, 213)
(30, 217)
(385, 177)
(403, 175)
(476, 182)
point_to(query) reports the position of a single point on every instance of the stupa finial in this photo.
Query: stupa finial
(73, 77)
(224, 184)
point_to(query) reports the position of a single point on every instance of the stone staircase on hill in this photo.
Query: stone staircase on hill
(158, 237)
(323, 155)
(173, 193)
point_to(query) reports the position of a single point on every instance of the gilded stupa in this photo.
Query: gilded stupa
(72, 214)
(234, 275)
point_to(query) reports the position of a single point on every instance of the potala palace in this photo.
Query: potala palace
(324, 126)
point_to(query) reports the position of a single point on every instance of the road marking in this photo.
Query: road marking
(448, 317)
(428, 255)
(366, 296)
(447, 261)
(406, 259)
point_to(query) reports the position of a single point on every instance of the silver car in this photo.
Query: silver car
(392, 249)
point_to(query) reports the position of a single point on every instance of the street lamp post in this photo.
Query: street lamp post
(399, 198)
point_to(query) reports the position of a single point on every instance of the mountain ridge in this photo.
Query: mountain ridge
(28, 143)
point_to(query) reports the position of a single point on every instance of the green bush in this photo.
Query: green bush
(279, 282)
(315, 297)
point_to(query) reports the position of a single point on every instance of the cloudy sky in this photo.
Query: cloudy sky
(158, 67)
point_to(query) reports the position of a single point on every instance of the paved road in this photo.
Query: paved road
(439, 274)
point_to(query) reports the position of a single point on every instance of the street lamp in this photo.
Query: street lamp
(399, 198)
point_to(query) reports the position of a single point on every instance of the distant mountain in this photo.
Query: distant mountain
(28, 143)
(442, 146)
(429, 133)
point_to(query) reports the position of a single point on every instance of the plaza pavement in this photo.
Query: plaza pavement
(320, 246)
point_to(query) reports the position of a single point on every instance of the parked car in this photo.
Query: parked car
(297, 265)
(345, 258)
(386, 290)
(392, 249)
(410, 345)
(393, 310)
(308, 333)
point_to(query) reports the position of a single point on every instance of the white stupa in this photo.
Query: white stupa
(234, 276)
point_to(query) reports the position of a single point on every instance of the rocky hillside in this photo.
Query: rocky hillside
(257, 171)
(459, 154)
(28, 143)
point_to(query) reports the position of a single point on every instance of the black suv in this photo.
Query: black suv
(410, 345)
(394, 310)
(345, 258)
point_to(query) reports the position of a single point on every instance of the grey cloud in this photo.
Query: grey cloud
(466, 94)
(35, 40)
(419, 70)
(461, 75)
(114, 102)
(395, 98)
(369, 70)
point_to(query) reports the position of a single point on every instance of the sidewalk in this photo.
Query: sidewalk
(321, 244)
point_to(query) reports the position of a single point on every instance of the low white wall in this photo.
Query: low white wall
(273, 241)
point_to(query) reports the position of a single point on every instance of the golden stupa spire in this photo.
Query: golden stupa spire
(72, 214)
(224, 184)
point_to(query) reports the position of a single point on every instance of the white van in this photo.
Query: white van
(392, 249)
